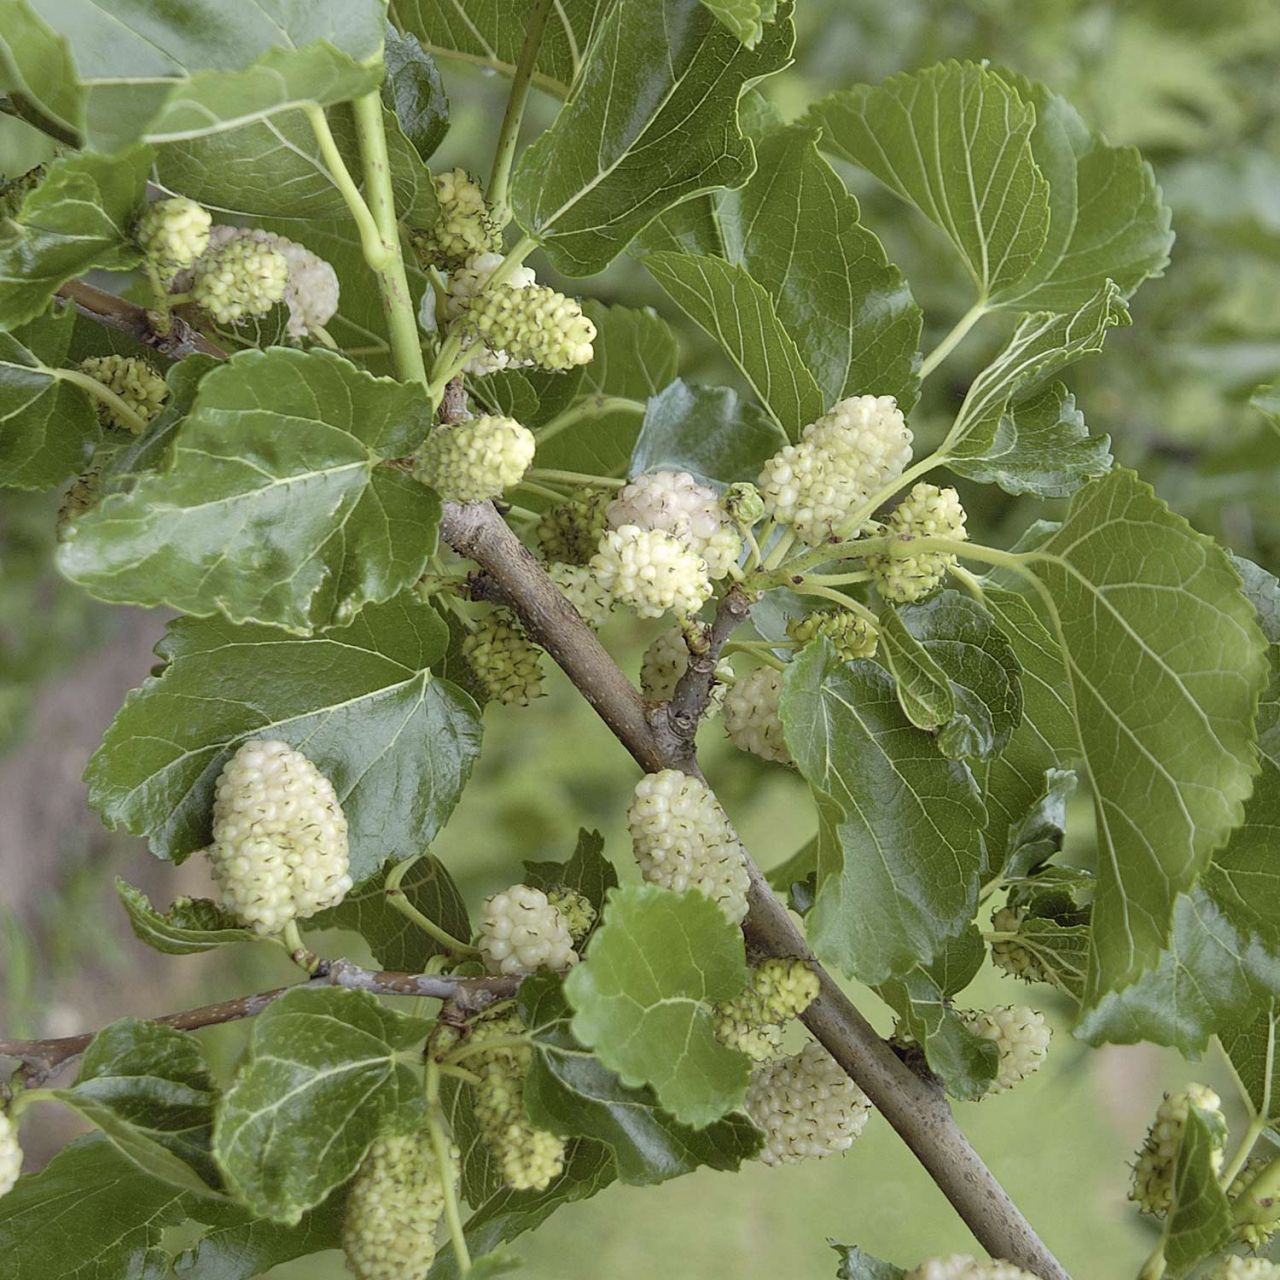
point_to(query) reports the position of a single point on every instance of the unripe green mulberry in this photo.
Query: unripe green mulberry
(851, 635)
(1236, 1268)
(1021, 1037)
(682, 840)
(532, 324)
(466, 284)
(666, 660)
(675, 502)
(134, 381)
(521, 932)
(575, 910)
(476, 459)
(743, 503)
(751, 716)
(777, 990)
(504, 660)
(1257, 1210)
(529, 1158)
(10, 1154)
(964, 1266)
(279, 848)
(173, 233)
(393, 1209)
(582, 589)
(806, 1106)
(1152, 1186)
(570, 532)
(1010, 954)
(651, 572)
(465, 225)
(926, 512)
(239, 280)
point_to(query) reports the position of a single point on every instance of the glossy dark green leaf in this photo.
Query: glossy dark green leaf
(396, 942)
(1199, 1221)
(570, 1092)
(651, 120)
(187, 928)
(271, 506)
(323, 1073)
(709, 431)
(415, 91)
(78, 218)
(900, 847)
(642, 994)
(587, 871)
(397, 742)
(47, 426)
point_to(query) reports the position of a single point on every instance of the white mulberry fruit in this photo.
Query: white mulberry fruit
(580, 586)
(570, 532)
(173, 233)
(777, 990)
(1237, 1268)
(651, 572)
(476, 459)
(675, 502)
(682, 840)
(575, 909)
(806, 1107)
(851, 635)
(466, 284)
(393, 1210)
(964, 1266)
(926, 512)
(1021, 1037)
(279, 848)
(465, 225)
(531, 325)
(521, 932)
(10, 1154)
(134, 381)
(751, 715)
(666, 660)
(240, 279)
(504, 660)
(1152, 1185)
(841, 460)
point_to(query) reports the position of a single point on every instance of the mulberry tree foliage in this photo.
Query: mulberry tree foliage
(385, 476)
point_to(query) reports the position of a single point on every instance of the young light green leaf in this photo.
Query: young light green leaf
(745, 18)
(1199, 1221)
(36, 62)
(953, 140)
(189, 927)
(321, 1076)
(924, 692)
(149, 1090)
(1165, 664)
(396, 942)
(641, 999)
(959, 636)
(587, 871)
(900, 847)
(47, 426)
(570, 1092)
(78, 218)
(651, 120)
(1041, 445)
(271, 506)
(740, 315)
(708, 431)
(397, 742)
(415, 91)
(857, 1265)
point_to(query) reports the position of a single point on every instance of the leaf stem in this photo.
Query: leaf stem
(575, 477)
(1241, 1154)
(375, 252)
(953, 339)
(509, 133)
(444, 1158)
(838, 579)
(826, 593)
(484, 1046)
(398, 899)
(104, 395)
(593, 407)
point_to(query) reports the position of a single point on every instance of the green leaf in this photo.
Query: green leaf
(981, 668)
(708, 431)
(745, 18)
(396, 742)
(1041, 345)
(148, 1088)
(1107, 220)
(797, 233)
(900, 847)
(1250, 1044)
(1199, 1221)
(271, 506)
(740, 315)
(953, 140)
(36, 62)
(1042, 446)
(89, 1214)
(651, 120)
(415, 91)
(183, 69)
(320, 1078)
(1165, 665)
(641, 999)
(1267, 402)
(187, 928)
(47, 426)
(396, 942)
(78, 218)
(1039, 834)
(924, 692)
(857, 1265)
(587, 871)
(1056, 924)
(570, 1092)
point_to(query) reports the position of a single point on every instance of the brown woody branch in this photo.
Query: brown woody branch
(916, 1108)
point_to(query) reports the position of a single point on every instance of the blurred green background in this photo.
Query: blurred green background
(1194, 85)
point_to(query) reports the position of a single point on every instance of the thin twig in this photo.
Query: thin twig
(106, 308)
